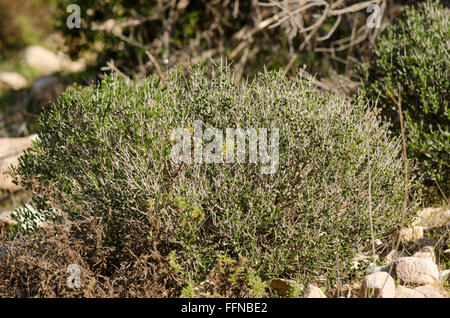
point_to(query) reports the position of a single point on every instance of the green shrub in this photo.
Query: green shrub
(104, 151)
(412, 60)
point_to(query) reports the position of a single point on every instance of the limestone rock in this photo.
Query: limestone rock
(416, 270)
(426, 252)
(444, 276)
(404, 292)
(12, 80)
(42, 59)
(48, 62)
(377, 285)
(10, 151)
(314, 292)
(411, 234)
(46, 90)
(428, 291)
(433, 217)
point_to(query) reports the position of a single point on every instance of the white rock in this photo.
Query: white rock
(426, 252)
(12, 80)
(415, 270)
(48, 62)
(404, 292)
(444, 276)
(10, 151)
(428, 291)
(378, 243)
(377, 285)
(72, 66)
(314, 292)
(42, 59)
(433, 217)
(411, 234)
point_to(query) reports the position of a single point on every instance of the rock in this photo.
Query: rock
(46, 90)
(10, 151)
(444, 276)
(433, 217)
(48, 62)
(415, 270)
(377, 285)
(378, 243)
(281, 286)
(404, 292)
(72, 66)
(411, 234)
(12, 80)
(428, 291)
(426, 252)
(393, 255)
(203, 290)
(42, 59)
(314, 292)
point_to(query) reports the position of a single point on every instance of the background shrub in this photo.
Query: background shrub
(412, 58)
(250, 33)
(104, 151)
(23, 22)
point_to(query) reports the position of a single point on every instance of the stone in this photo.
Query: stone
(377, 285)
(314, 292)
(48, 62)
(433, 217)
(46, 90)
(12, 80)
(444, 276)
(411, 234)
(404, 292)
(10, 151)
(42, 59)
(378, 243)
(428, 291)
(426, 252)
(416, 270)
